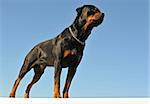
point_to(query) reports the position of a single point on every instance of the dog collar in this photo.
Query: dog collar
(79, 41)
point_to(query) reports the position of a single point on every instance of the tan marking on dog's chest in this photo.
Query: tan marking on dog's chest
(69, 52)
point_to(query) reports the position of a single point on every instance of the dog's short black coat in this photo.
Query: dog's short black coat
(65, 50)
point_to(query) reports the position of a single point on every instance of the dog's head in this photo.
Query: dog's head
(89, 16)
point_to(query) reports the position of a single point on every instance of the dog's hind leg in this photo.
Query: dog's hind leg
(13, 91)
(38, 70)
(26, 67)
(23, 71)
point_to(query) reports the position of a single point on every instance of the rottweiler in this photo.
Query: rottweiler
(63, 51)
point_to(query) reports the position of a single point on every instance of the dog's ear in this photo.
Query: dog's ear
(79, 10)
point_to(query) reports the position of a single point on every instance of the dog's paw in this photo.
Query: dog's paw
(65, 95)
(57, 96)
(26, 95)
(12, 95)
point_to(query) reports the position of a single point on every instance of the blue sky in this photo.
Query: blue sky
(115, 61)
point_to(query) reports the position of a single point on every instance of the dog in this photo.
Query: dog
(63, 51)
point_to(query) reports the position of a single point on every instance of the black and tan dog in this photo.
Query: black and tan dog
(63, 51)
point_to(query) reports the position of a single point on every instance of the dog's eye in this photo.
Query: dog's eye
(90, 13)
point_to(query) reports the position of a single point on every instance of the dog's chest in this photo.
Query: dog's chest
(70, 56)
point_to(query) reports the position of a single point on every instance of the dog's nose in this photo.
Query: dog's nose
(103, 14)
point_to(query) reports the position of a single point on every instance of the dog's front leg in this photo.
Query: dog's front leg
(57, 74)
(70, 75)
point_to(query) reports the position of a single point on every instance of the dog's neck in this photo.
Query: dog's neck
(79, 32)
(73, 35)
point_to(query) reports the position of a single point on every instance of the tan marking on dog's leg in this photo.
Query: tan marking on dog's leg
(26, 95)
(56, 90)
(13, 91)
(66, 95)
(57, 73)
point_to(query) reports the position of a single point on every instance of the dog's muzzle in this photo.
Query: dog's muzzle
(99, 21)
